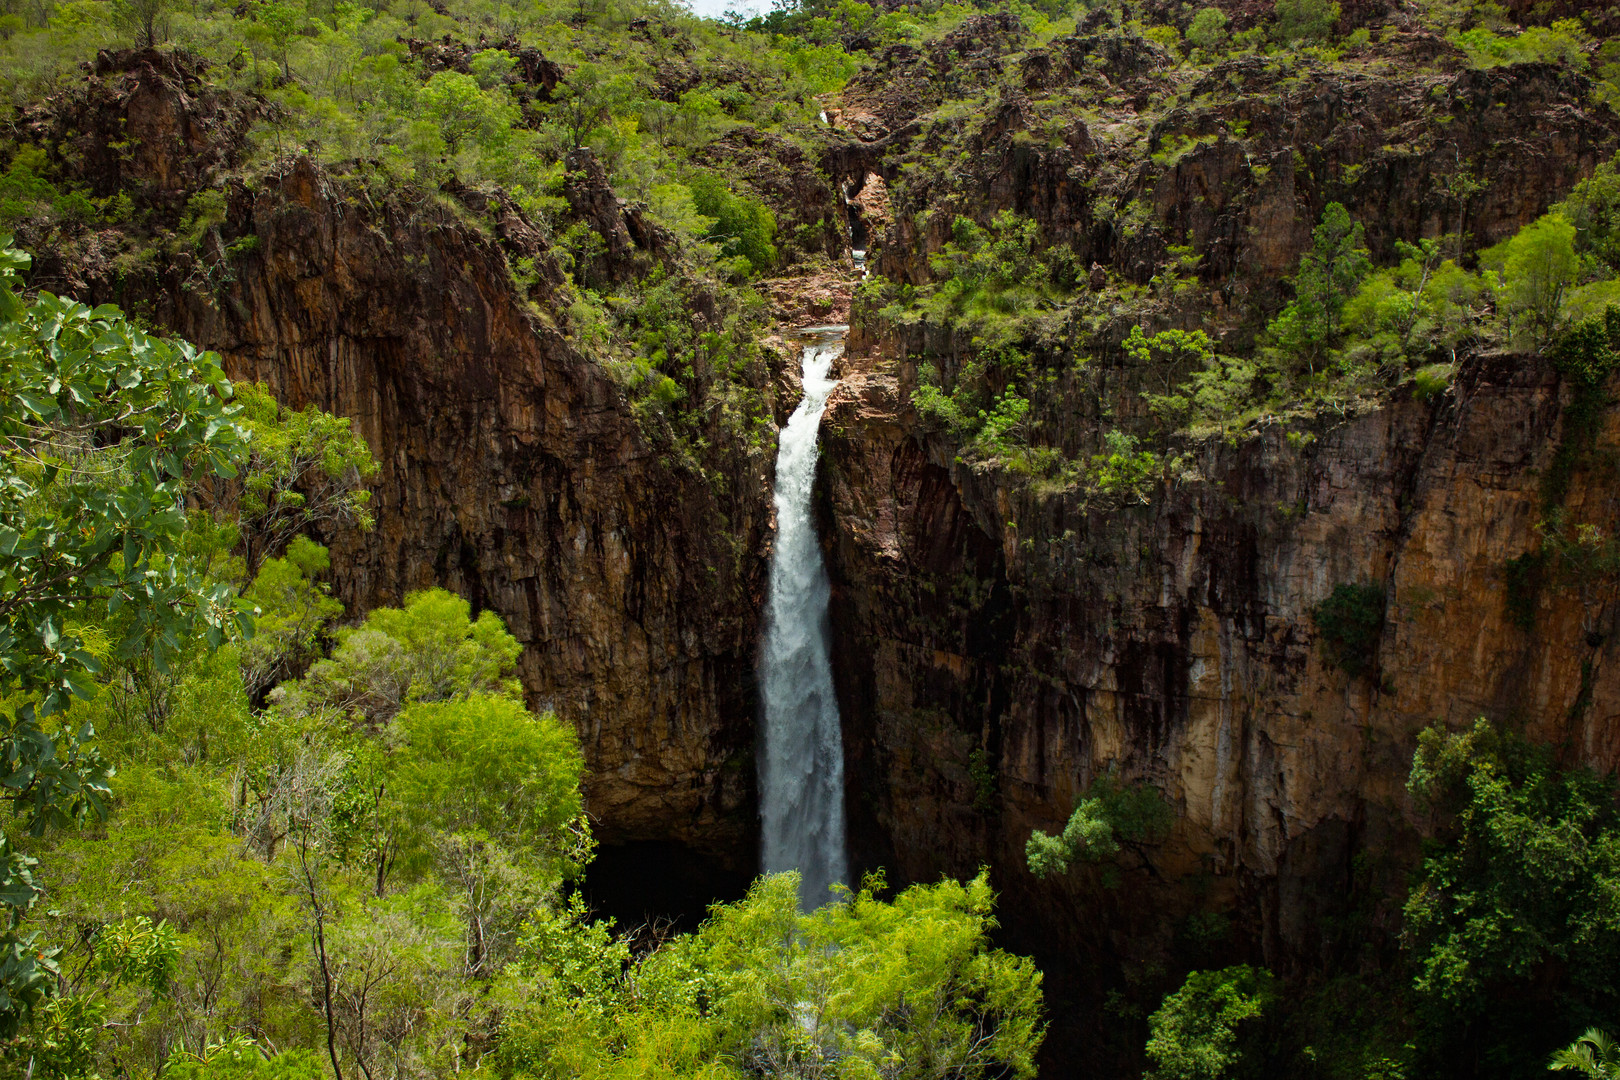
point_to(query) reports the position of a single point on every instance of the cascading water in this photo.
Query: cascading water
(801, 771)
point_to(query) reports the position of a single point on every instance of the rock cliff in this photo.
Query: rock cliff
(513, 469)
(999, 650)
(1001, 645)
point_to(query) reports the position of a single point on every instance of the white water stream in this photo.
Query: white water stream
(801, 765)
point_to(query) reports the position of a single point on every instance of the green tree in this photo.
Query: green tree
(484, 764)
(143, 19)
(1514, 902)
(1305, 20)
(744, 227)
(1531, 273)
(429, 650)
(1349, 621)
(1327, 278)
(1407, 313)
(305, 469)
(1213, 398)
(104, 429)
(584, 102)
(276, 22)
(1593, 208)
(1110, 816)
(479, 791)
(467, 115)
(1195, 1034)
(908, 988)
(1207, 30)
(291, 611)
(490, 794)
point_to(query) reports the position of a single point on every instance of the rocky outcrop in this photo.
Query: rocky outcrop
(1237, 166)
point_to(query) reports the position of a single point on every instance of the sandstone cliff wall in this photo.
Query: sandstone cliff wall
(513, 470)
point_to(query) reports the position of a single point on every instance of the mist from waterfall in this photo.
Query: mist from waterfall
(801, 765)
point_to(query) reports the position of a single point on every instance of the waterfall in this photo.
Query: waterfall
(801, 765)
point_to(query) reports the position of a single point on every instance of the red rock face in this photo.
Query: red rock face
(514, 473)
(999, 650)
(1177, 637)
(1000, 645)
(512, 468)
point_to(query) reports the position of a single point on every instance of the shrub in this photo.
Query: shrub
(1349, 621)
(1564, 41)
(1121, 470)
(1432, 380)
(744, 227)
(1194, 1033)
(1305, 20)
(1208, 29)
(25, 195)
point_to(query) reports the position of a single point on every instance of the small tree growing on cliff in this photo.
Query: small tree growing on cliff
(584, 103)
(1196, 1032)
(1207, 31)
(1530, 273)
(1327, 278)
(1349, 621)
(1305, 20)
(1109, 817)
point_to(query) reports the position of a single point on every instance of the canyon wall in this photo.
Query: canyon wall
(513, 470)
(1003, 642)
(1175, 640)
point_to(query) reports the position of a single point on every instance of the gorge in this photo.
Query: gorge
(1084, 503)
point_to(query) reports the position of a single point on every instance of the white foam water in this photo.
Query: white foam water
(801, 764)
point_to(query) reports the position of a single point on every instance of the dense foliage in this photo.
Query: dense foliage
(103, 428)
(1512, 922)
(908, 988)
(1195, 1032)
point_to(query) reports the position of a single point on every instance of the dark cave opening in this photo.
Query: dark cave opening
(660, 883)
